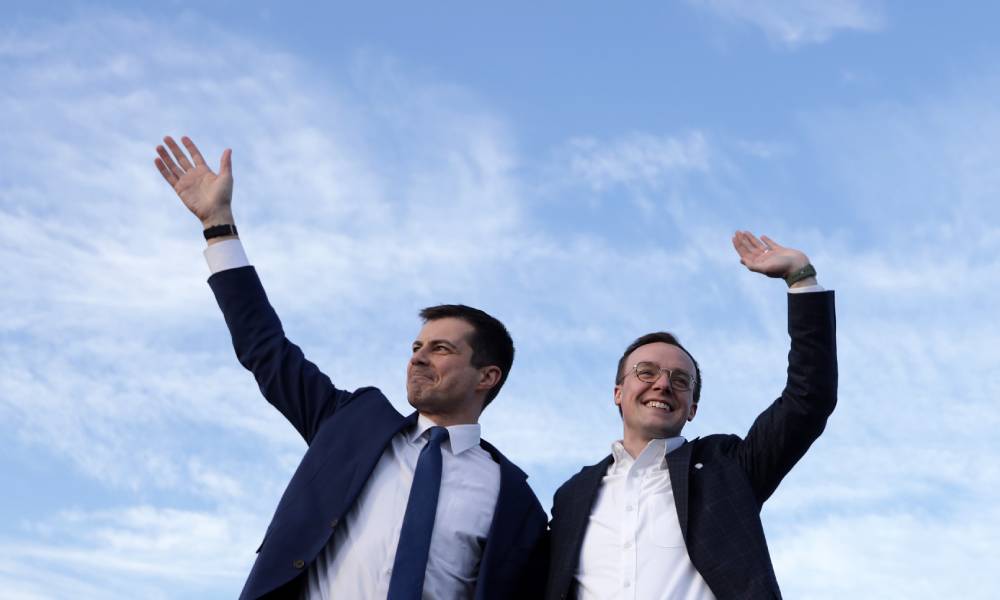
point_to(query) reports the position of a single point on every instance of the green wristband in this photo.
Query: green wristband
(803, 273)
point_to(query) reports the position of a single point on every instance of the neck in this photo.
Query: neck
(447, 420)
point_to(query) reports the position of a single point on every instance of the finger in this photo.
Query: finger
(738, 243)
(169, 162)
(170, 177)
(182, 159)
(773, 244)
(193, 150)
(756, 243)
(226, 163)
(746, 247)
(740, 249)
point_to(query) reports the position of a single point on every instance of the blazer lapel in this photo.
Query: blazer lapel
(577, 515)
(380, 436)
(512, 501)
(678, 463)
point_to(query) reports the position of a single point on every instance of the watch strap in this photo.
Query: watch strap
(803, 273)
(220, 231)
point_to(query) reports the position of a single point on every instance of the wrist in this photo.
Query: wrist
(806, 275)
(218, 233)
(219, 227)
(223, 216)
(798, 262)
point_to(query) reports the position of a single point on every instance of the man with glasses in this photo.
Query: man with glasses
(663, 517)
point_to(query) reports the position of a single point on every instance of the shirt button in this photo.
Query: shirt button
(298, 563)
(628, 544)
(628, 508)
(388, 571)
(628, 584)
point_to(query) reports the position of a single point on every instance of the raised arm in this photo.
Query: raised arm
(782, 434)
(208, 195)
(294, 385)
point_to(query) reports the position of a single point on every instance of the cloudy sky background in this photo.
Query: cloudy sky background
(574, 169)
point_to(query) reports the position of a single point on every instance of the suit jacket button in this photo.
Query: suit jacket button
(698, 465)
(298, 563)
(333, 523)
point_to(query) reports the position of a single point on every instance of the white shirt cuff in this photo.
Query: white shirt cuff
(806, 289)
(225, 255)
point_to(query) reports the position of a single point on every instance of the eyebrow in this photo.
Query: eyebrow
(656, 364)
(432, 342)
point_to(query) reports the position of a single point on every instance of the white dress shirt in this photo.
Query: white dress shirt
(357, 561)
(633, 547)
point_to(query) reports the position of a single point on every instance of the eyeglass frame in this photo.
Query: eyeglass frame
(670, 373)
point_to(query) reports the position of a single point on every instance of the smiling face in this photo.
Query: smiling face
(654, 410)
(441, 382)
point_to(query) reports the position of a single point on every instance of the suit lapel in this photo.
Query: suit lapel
(577, 515)
(678, 463)
(381, 432)
(512, 501)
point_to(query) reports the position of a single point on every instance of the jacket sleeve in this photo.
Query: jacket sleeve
(294, 385)
(782, 434)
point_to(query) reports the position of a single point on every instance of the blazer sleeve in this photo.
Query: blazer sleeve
(294, 385)
(782, 434)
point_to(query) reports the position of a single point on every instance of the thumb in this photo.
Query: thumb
(226, 162)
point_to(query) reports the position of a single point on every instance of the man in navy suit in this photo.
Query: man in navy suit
(662, 517)
(382, 505)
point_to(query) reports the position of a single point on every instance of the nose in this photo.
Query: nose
(662, 381)
(419, 357)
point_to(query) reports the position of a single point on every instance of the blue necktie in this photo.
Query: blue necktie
(407, 582)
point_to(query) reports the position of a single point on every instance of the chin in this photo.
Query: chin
(421, 402)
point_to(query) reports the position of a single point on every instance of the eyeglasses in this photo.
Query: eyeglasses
(648, 372)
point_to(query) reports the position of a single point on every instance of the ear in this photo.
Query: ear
(618, 395)
(692, 411)
(488, 377)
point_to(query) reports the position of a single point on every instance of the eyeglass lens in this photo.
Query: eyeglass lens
(648, 372)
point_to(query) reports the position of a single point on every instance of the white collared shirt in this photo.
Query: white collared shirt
(357, 561)
(633, 547)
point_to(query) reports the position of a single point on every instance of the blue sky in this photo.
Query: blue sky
(576, 170)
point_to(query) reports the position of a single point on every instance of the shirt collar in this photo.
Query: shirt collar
(653, 454)
(460, 437)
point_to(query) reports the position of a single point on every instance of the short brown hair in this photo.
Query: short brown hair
(490, 341)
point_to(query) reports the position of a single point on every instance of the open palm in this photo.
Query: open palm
(206, 194)
(767, 256)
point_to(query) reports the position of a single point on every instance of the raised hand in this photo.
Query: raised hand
(767, 256)
(206, 194)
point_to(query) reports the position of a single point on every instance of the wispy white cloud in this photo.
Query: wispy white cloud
(900, 552)
(637, 158)
(128, 552)
(798, 22)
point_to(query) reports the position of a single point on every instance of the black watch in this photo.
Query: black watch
(220, 231)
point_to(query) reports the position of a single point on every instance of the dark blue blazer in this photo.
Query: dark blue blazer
(720, 482)
(346, 433)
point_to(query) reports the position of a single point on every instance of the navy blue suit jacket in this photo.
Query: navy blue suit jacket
(346, 433)
(720, 482)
